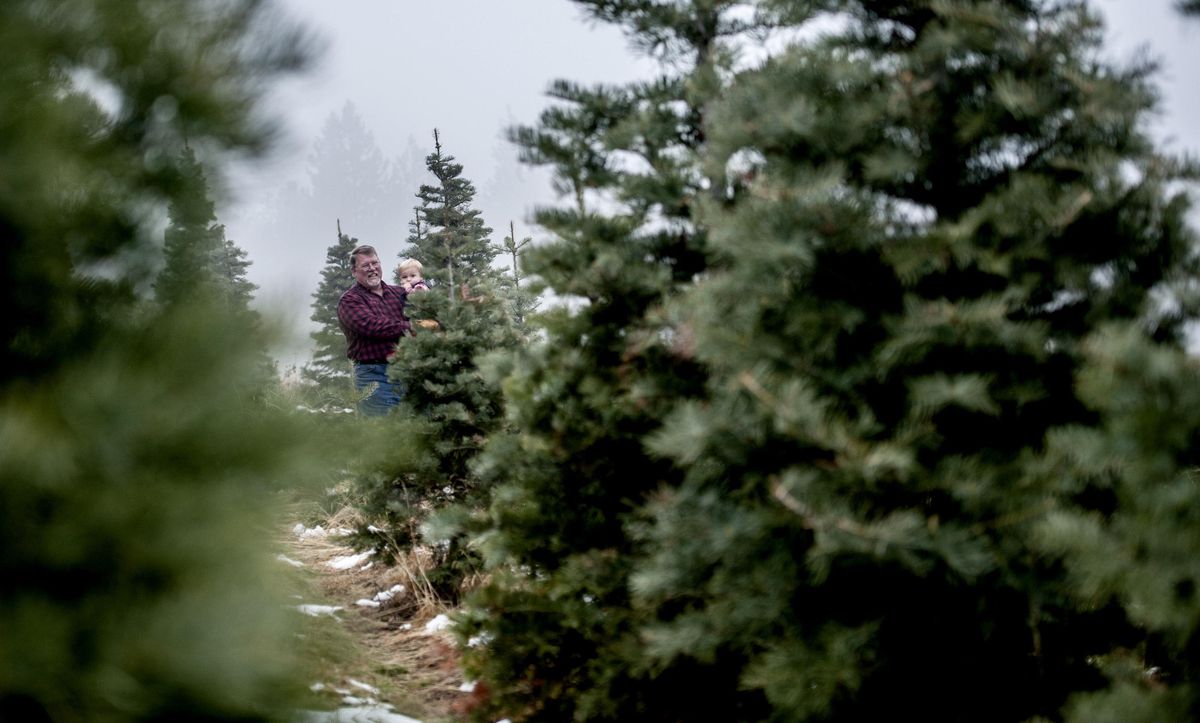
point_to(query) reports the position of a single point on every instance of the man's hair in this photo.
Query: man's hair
(364, 250)
(409, 264)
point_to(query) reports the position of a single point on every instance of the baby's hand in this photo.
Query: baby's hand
(406, 286)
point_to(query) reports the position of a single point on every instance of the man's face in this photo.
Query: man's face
(409, 277)
(367, 271)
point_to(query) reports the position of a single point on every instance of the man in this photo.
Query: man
(371, 314)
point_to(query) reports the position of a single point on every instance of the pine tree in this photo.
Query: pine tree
(202, 264)
(522, 299)
(933, 278)
(329, 369)
(564, 639)
(946, 444)
(445, 389)
(453, 245)
(200, 260)
(134, 476)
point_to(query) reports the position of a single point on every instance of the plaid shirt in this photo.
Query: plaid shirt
(372, 324)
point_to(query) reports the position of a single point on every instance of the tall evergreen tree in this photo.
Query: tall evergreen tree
(132, 472)
(449, 237)
(934, 278)
(440, 370)
(330, 369)
(565, 639)
(948, 273)
(350, 176)
(201, 263)
(200, 260)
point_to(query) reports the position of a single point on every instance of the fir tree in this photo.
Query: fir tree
(940, 306)
(522, 299)
(137, 583)
(330, 369)
(201, 263)
(200, 260)
(933, 277)
(445, 388)
(449, 237)
(564, 638)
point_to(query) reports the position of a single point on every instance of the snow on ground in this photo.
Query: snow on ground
(305, 533)
(319, 610)
(381, 597)
(378, 713)
(441, 622)
(349, 561)
(342, 576)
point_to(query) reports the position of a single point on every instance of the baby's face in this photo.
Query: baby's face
(409, 276)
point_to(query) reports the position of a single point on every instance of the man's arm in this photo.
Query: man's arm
(357, 315)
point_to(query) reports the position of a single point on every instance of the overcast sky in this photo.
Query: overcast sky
(471, 68)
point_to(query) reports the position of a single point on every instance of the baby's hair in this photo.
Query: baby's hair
(409, 264)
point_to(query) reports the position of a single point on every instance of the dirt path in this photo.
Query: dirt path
(371, 654)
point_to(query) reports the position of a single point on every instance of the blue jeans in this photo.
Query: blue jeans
(382, 395)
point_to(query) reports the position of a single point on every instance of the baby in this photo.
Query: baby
(409, 273)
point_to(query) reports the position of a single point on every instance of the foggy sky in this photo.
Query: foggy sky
(471, 68)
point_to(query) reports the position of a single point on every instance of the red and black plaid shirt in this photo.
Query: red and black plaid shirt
(372, 324)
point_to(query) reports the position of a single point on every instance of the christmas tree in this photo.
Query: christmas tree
(564, 640)
(451, 407)
(329, 368)
(520, 293)
(135, 478)
(448, 236)
(873, 401)
(948, 274)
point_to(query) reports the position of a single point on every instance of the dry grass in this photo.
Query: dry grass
(415, 670)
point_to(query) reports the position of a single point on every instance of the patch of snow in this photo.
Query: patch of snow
(467, 687)
(288, 560)
(366, 603)
(317, 687)
(367, 566)
(363, 686)
(390, 593)
(441, 622)
(349, 561)
(406, 626)
(478, 640)
(375, 530)
(381, 713)
(318, 610)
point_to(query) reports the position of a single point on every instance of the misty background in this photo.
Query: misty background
(358, 127)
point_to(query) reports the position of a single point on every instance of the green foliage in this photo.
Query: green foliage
(134, 473)
(565, 643)
(430, 493)
(330, 369)
(140, 581)
(872, 401)
(522, 300)
(200, 261)
(448, 236)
